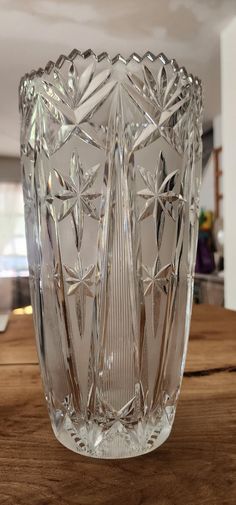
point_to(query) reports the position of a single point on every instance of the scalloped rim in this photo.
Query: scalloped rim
(118, 58)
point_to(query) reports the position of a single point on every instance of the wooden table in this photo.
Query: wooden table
(197, 465)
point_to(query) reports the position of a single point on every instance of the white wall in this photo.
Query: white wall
(207, 196)
(228, 97)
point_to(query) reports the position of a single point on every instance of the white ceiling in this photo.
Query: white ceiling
(34, 31)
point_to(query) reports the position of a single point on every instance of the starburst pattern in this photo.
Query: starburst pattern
(80, 279)
(80, 282)
(163, 100)
(111, 416)
(160, 190)
(77, 194)
(156, 281)
(71, 101)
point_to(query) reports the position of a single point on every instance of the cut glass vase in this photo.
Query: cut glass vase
(111, 164)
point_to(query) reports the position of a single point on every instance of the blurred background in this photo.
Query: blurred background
(199, 34)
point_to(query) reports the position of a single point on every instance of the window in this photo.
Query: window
(13, 255)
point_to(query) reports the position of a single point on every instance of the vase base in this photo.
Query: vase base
(115, 443)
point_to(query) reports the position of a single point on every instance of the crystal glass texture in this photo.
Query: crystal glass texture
(111, 164)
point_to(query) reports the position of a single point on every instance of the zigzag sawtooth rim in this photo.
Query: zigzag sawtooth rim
(118, 58)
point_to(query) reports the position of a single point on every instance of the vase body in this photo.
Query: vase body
(111, 164)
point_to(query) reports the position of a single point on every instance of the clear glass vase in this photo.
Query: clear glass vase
(111, 163)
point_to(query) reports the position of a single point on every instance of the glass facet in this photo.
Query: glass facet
(111, 163)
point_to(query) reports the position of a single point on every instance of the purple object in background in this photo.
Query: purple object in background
(205, 263)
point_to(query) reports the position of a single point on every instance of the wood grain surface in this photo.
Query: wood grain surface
(196, 466)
